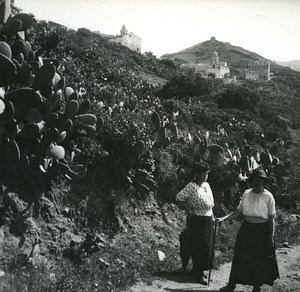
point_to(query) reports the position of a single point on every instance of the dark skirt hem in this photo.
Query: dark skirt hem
(253, 262)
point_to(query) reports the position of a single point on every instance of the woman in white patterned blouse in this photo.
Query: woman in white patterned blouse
(197, 200)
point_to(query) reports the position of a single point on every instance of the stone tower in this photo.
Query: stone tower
(123, 30)
(215, 58)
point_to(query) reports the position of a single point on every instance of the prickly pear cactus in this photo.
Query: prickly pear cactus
(38, 112)
(162, 129)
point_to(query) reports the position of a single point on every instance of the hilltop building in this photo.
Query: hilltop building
(258, 70)
(219, 69)
(129, 40)
(214, 68)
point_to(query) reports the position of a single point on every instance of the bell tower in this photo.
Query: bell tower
(215, 58)
(123, 30)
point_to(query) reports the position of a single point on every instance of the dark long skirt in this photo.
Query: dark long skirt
(253, 262)
(200, 232)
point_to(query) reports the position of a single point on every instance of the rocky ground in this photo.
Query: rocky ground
(289, 266)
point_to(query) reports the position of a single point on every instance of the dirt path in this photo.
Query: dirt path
(289, 268)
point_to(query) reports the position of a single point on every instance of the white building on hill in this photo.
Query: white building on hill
(214, 68)
(219, 69)
(129, 40)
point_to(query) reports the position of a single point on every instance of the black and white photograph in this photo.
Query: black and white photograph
(149, 146)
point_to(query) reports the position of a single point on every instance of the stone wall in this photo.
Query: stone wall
(258, 71)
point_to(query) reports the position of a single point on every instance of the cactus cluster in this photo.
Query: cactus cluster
(128, 165)
(37, 110)
(161, 127)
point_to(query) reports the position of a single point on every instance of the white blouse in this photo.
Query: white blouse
(257, 205)
(198, 198)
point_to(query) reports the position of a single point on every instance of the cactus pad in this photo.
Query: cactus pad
(11, 27)
(84, 107)
(68, 91)
(56, 152)
(215, 149)
(7, 112)
(24, 97)
(62, 136)
(43, 77)
(13, 152)
(71, 109)
(155, 120)
(33, 115)
(138, 148)
(24, 73)
(17, 47)
(5, 49)
(7, 70)
(30, 131)
(66, 125)
(26, 20)
(87, 119)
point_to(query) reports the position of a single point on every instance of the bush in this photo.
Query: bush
(184, 85)
(236, 96)
(168, 63)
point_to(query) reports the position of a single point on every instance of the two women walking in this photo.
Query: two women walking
(254, 261)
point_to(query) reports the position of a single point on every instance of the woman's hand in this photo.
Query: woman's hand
(219, 220)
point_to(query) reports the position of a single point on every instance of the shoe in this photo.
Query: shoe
(201, 280)
(256, 289)
(228, 288)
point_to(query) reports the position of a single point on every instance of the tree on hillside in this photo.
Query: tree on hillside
(237, 96)
(149, 54)
(184, 85)
(169, 63)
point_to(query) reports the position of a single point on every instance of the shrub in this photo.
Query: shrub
(236, 96)
(83, 31)
(168, 63)
(266, 111)
(184, 85)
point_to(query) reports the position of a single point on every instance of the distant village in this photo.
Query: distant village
(257, 70)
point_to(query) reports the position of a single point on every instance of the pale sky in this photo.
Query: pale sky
(270, 28)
